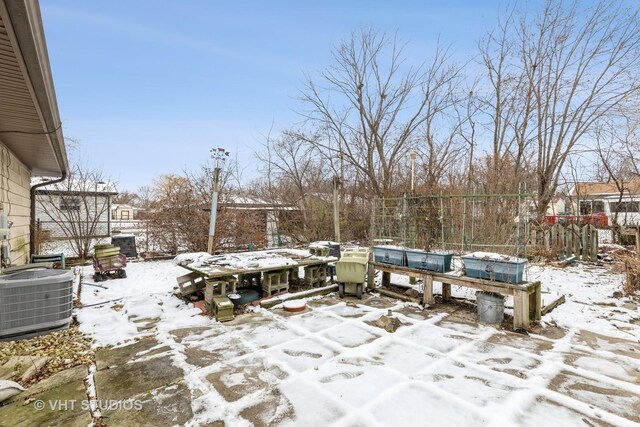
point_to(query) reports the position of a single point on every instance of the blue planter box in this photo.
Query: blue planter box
(507, 271)
(433, 261)
(389, 255)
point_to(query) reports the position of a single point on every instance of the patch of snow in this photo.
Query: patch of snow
(396, 247)
(323, 243)
(146, 292)
(190, 258)
(494, 256)
(331, 366)
(605, 236)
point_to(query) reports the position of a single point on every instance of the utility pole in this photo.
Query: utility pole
(336, 208)
(412, 279)
(219, 155)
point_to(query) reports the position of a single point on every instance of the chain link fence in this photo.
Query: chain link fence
(455, 222)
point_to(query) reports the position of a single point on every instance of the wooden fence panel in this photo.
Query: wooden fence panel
(573, 240)
(575, 248)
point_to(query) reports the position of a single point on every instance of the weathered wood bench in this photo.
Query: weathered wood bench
(527, 297)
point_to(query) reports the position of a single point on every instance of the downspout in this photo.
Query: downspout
(32, 225)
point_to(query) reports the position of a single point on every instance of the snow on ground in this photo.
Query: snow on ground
(248, 260)
(331, 365)
(113, 309)
(588, 291)
(590, 304)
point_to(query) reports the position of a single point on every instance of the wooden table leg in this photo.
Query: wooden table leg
(371, 274)
(535, 301)
(521, 310)
(427, 290)
(538, 310)
(386, 279)
(446, 292)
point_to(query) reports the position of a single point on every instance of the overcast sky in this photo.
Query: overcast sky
(148, 87)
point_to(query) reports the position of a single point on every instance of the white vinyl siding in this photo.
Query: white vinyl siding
(16, 202)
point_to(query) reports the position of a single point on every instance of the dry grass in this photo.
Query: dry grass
(65, 349)
(632, 284)
(541, 254)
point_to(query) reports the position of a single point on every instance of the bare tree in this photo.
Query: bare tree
(145, 197)
(570, 67)
(76, 210)
(178, 212)
(442, 146)
(467, 118)
(172, 204)
(616, 148)
(126, 198)
(294, 176)
(508, 103)
(369, 108)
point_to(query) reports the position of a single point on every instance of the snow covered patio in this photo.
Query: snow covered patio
(330, 365)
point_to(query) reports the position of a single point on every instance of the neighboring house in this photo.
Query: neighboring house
(559, 205)
(604, 199)
(31, 140)
(71, 210)
(124, 212)
(127, 219)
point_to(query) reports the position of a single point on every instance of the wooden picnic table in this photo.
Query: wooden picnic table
(214, 270)
(274, 276)
(527, 296)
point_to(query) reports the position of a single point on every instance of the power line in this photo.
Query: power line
(24, 132)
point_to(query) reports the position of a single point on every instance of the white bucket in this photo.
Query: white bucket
(490, 307)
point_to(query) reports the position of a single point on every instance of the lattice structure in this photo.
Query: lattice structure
(457, 222)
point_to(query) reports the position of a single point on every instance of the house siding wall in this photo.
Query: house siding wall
(45, 203)
(48, 206)
(628, 219)
(16, 203)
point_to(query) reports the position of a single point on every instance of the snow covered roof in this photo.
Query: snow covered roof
(245, 200)
(125, 206)
(254, 203)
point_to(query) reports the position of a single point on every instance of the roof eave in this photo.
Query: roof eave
(25, 21)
